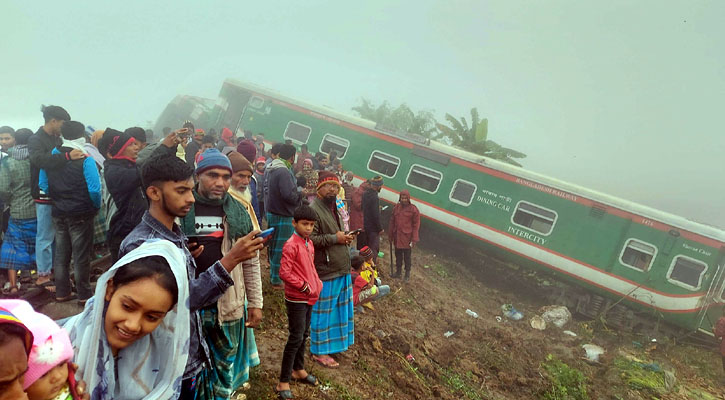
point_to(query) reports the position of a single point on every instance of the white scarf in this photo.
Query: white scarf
(78, 144)
(151, 367)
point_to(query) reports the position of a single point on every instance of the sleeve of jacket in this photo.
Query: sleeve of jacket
(371, 211)
(93, 181)
(122, 180)
(253, 282)
(416, 225)
(5, 182)
(204, 290)
(320, 239)
(286, 268)
(43, 180)
(720, 328)
(255, 201)
(43, 159)
(288, 187)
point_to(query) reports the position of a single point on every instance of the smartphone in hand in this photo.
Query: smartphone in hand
(264, 233)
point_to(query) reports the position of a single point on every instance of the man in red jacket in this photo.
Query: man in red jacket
(403, 232)
(302, 288)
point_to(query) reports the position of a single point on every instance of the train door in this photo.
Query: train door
(714, 303)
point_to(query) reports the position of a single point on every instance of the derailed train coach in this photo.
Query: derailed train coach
(628, 259)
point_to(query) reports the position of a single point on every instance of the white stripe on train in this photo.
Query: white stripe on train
(662, 302)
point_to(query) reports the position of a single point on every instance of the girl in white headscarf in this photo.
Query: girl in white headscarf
(131, 341)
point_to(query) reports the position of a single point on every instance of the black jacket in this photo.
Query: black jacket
(75, 187)
(123, 182)
(40, 146)
(371, 211)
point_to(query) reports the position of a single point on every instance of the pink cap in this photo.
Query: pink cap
(51, 344)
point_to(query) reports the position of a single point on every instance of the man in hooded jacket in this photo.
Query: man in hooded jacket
(403, 232)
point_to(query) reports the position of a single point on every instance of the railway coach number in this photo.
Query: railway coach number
(647, 222)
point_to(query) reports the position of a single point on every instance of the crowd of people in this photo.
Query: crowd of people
(182, 219)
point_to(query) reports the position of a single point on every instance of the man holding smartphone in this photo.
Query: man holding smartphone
(168, 184)
(217, 220)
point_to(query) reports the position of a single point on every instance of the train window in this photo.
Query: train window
(687, 272)
(533, 217)
(256, 102)
(384, 164)
(332, 142)
(462, 192)
(297, 132)
(423, 178)
(638, 255)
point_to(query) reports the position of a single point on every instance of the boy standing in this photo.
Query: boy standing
(302, 288)
(75, 188)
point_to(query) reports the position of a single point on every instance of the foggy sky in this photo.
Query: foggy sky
(622, 97)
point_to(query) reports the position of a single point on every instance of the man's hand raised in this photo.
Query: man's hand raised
(244, 249)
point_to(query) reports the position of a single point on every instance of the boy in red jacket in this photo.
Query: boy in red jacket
(302, 287)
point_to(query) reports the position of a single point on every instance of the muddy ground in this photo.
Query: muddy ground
(400, 350)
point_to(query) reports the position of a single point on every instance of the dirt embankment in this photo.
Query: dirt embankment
(489, 357)
(401, 352)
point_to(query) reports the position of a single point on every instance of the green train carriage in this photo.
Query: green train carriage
(660, 264)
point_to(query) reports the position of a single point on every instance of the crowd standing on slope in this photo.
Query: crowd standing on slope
(182, 218)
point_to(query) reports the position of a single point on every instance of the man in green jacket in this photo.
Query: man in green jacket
(332, 324)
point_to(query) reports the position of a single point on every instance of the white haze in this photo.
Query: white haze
(622, 97)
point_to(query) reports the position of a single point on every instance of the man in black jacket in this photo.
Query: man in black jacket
(76, 191)
(40, 147)
(123, 181)
(371, 215)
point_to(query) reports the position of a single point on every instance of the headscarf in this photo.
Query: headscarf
(152, 366)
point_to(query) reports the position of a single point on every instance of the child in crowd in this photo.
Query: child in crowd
(49, 374)
(132, 339)
(370, 270)
(302, 288)
(364, 291)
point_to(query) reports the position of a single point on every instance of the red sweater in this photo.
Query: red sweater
(358, 284)
(297, 270)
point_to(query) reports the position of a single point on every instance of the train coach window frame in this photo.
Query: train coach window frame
(627, 245)
(680, 283)
(391, 160)
(518, 207)
(429, 172)
(338, 141)
(296, 140)
(256, 102)
(453, 189)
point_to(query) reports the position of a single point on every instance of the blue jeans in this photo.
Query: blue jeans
(44, 239)
(74, 237)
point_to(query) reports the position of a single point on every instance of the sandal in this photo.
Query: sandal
(66, 298)
(308, 380)
(284, 394)
(326, 361)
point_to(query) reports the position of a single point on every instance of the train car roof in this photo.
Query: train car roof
(603, 198)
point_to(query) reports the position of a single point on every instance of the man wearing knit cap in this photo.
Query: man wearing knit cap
(241, 186)
(40, 147)
(247, 149)
(281, 199)
(371, 215)
(123, 182)
(332, 325)
(213, 225)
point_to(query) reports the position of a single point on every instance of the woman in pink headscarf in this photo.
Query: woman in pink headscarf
(403, 232)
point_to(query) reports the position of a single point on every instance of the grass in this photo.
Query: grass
(637, 377)
(461, 384)
(567, 383)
